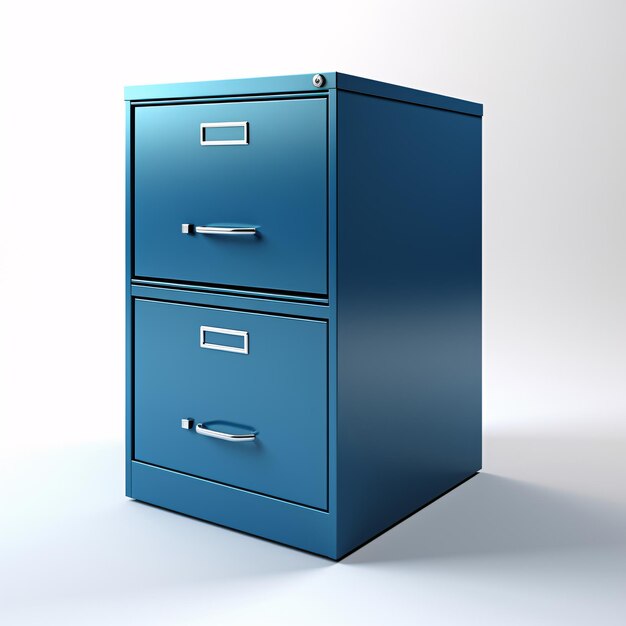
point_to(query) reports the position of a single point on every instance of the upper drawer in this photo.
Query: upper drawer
(264, 167)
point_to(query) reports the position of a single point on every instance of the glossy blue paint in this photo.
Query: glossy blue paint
(299, 84)
(129, 390)
(236, 392)
(408, 309)
(233, 300)
(293, 524)
(366, 86)
(364, 372)
(276, 183)
(230, 291)
(249, 87)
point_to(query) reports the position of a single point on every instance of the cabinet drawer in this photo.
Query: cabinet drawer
(258, 166)
(260, 377)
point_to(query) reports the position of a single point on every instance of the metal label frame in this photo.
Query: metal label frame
(224, 142)
(224, 331)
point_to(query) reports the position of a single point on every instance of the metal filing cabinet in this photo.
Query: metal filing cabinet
(303, 303)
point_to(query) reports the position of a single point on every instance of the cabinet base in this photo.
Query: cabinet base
(297, 526)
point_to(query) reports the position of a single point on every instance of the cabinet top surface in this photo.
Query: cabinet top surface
(298, 83)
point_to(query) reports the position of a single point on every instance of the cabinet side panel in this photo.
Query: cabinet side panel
(408, 309)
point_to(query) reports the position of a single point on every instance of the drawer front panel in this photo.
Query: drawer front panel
(255, 384)
(257, 167)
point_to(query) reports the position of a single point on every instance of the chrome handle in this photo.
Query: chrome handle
(218, 434)
(226, 230)
(188, 229)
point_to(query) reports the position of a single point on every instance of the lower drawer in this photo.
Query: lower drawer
(255, 387)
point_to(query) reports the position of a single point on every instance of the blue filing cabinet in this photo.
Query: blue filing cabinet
(303, 303)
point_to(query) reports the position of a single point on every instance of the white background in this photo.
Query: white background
(539, 537)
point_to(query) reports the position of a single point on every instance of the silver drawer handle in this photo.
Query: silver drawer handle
(226, 230)
(218, 434)
(189, 229)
